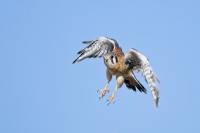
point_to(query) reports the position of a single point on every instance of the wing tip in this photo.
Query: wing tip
(87, 42)
(157, 101)
(80, 52)
(75, 61)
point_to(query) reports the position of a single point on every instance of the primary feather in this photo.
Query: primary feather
(96, 48)
(138, 62)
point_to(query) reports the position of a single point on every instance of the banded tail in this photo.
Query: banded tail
(132, 83)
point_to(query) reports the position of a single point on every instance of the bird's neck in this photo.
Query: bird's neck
(118, 52)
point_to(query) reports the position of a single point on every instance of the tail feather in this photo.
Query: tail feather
(141, 87)
(133, 83)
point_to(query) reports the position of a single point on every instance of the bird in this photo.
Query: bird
(121, 66)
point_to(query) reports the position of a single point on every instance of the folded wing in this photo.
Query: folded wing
(138, 62)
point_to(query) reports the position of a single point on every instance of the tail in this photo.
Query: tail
(133, 83)
(151, 79)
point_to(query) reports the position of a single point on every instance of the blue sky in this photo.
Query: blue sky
(42, 91)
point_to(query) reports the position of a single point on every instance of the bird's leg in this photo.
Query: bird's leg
(105, 90)
(111, 99)
(120, 81)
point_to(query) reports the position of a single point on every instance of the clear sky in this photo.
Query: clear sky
(41, 91)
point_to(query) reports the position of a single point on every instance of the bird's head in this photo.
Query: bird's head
(110, 59)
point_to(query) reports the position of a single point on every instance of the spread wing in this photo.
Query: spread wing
(97, 48)
(138, 62)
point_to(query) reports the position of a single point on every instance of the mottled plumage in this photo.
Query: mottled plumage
(120, 65)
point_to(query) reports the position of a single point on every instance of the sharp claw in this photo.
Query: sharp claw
(111, 99)
(108, 103)
(103, 92)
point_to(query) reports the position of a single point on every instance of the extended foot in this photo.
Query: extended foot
(111, 99)
(103, 92)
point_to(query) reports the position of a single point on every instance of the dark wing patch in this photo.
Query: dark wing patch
(96, 48)
(132, 59)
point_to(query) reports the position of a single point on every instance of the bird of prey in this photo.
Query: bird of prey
(122, 66)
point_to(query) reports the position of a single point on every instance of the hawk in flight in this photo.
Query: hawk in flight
(122, 66)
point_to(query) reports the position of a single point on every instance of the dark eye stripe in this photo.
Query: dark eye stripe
(112, 59)
(116, 59)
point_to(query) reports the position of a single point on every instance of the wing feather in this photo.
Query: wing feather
(96, 48)
(138, 62)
